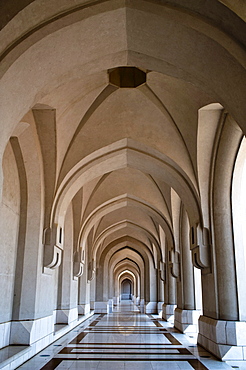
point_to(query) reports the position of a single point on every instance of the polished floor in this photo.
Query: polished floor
(126, 339)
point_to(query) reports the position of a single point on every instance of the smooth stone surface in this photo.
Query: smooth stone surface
(151, 307)
(28, 332)
(84, 309)
(13, 356)
(168, 312)
(186, 320)
(225, 339)
(126, 339)
(66, 316)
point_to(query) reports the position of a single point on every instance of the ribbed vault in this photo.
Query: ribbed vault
(114, 131)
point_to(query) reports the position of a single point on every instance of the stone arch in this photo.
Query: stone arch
(118, 203)
(203, 77)
(133, 276)
(134, 267)
(222, 221)
(111, 254)
(126, 288)
(126, 153)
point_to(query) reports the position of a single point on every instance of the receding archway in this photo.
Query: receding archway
(126, 289)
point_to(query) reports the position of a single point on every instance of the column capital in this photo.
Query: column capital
(53, 247)
(200, 247)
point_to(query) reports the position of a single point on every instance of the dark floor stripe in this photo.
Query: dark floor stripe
(66, 350)
(128, 344)
(184, 351)
(119, 346)
(129, 359)
(197, 365)
(124, 331)
(172, 339)
(126, 353)
(93, 323)
(52, 364)
(79, 338)
(99, 327)
(156, 322)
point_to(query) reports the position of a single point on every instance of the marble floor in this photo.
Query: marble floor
(126, 339)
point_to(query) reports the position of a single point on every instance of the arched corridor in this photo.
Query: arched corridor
(122, 171)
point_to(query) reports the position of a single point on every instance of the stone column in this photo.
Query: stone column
(92, 293)
(160, 293)
(220, 331)
(186, 316)
(151, 304)
(116, 297)
(34, 298)
(101, 302)
(12, 215)
(84, 294)
(170, 295)
(67, 310)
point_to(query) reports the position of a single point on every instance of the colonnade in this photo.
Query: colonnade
(123, 160)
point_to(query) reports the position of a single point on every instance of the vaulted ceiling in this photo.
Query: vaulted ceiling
(122, 147)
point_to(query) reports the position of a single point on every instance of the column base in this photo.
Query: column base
(125, 297)
(141, 304)
(16, 359)
(66, 316)
(5, 334)
(186, 321)
(116, 301)
(27, 332)
(151, 307)
(225, 339)
(168, 312)
(84, 309)
(101, 307)
(159, 309)
(110, 306)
